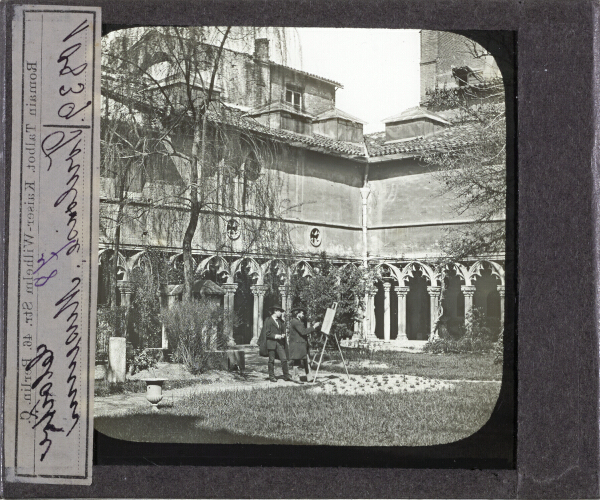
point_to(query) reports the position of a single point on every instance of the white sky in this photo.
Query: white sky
(378, 68)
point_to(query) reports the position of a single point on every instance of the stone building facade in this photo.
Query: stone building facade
(364, 200)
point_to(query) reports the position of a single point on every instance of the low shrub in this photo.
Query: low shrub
(481, 334)
(498, 349)
(110, 322)
(142, 360)
(195, 328)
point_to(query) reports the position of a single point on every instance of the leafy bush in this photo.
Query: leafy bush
(145, 310)
(194, 328)
(481, 334)
(142, 360)
(110, 322)
(101, 357)
(498, 349)
(346, 286)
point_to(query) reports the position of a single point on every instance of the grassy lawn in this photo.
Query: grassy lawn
(295, 416)
(300, 415)
(446, 367)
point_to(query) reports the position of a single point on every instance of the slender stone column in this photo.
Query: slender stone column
(365, 318)
(258, 291)
(502, 292)
(356, 328)
(434, 296)
(286, 300)
(167, 301)
(401, 292)
(125, 289)
(229, 311)
(468, 291)
(387, 312)
(370, 312)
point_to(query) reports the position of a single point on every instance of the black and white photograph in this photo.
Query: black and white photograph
(303, 236)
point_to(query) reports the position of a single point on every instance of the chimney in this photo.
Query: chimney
(261, 49)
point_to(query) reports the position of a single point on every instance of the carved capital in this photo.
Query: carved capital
(284, 289)
(501, 290)
(467, 290)
(401, 291)
(230, 288)
(259, 290)
(387, 286)
(124, 287)
(433, 291)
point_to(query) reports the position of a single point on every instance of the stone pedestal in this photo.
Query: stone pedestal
(116, 359)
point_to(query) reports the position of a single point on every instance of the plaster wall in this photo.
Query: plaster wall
(316, 190)
(317, 96)
(407, 217)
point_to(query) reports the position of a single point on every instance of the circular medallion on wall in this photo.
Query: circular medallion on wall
(315, 237)
(233, 229)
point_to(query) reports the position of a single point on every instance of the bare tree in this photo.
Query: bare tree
(165, 82)
(471, 170)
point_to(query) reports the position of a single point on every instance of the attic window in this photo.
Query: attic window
(461, 75)
(466, 76)
(293, 97)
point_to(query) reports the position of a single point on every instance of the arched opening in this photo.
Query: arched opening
(104, 270)
(417, 308)
(493, 305)
(274, 279)
(243, 307)
(453, 303)
(144, 328)
(486, 300)
(485, 284)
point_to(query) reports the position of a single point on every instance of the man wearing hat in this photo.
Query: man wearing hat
(276, 342)
(299, 340)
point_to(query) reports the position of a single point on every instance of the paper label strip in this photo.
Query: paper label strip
(53, 244)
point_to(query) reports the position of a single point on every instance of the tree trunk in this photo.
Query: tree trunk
(195, 174)
(115, 263)
(196, 195)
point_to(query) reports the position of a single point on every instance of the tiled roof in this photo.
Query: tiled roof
(315, 141)
(279, 106)
(326, 80)
(338, 113)
(415, 113)
(447, 139)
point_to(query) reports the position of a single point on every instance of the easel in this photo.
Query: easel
(327, 322)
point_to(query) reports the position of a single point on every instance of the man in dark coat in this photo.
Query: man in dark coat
(299, 341)
(273, 330)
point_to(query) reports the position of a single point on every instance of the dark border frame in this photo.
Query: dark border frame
(557, 441)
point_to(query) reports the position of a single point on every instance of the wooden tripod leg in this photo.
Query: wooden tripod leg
(321, 358)
(343, 360)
